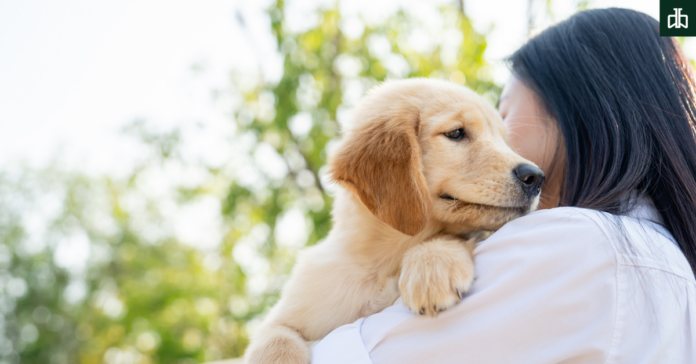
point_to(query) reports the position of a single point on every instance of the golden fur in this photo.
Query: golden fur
(408, 194)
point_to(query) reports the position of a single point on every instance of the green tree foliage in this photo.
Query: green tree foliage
(146, 297)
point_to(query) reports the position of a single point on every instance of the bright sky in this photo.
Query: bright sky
(74, 72)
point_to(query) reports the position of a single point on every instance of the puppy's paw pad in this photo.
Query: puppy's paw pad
(434, 277)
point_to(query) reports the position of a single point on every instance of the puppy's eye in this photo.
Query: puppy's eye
(456, 134)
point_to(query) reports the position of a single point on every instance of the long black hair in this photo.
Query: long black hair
(625, 103)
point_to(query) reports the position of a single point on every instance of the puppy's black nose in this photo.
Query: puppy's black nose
(530, 179)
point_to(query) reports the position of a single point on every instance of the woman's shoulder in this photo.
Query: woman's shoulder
(558, 247)
(572, 218)
(562, 237)
(557, 220)
(637, 241)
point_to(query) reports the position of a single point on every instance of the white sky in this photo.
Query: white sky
(73, 72)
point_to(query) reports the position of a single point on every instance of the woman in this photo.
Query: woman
(604, 273)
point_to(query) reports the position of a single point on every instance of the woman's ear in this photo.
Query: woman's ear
(381, 164)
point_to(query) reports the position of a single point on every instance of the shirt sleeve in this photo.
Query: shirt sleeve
(545, 292)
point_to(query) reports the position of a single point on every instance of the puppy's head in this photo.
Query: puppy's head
(423, 149)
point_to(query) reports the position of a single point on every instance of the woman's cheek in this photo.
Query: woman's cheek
(525, 142)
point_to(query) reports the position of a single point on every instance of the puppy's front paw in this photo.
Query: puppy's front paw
(277, 345)
(435, 274)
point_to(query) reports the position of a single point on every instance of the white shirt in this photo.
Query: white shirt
(555, 286)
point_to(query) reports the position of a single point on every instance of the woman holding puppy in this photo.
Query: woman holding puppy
(604, 272)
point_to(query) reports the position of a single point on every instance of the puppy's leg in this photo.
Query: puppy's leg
(328, 288)
(435, 274)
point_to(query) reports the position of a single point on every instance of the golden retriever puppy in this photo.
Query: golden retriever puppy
(424, 162)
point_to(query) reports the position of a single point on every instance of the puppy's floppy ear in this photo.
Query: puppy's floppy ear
(381, 164)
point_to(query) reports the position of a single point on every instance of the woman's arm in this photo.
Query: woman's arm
(545, 292)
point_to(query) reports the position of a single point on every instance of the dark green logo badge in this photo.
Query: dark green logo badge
(674, 18)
